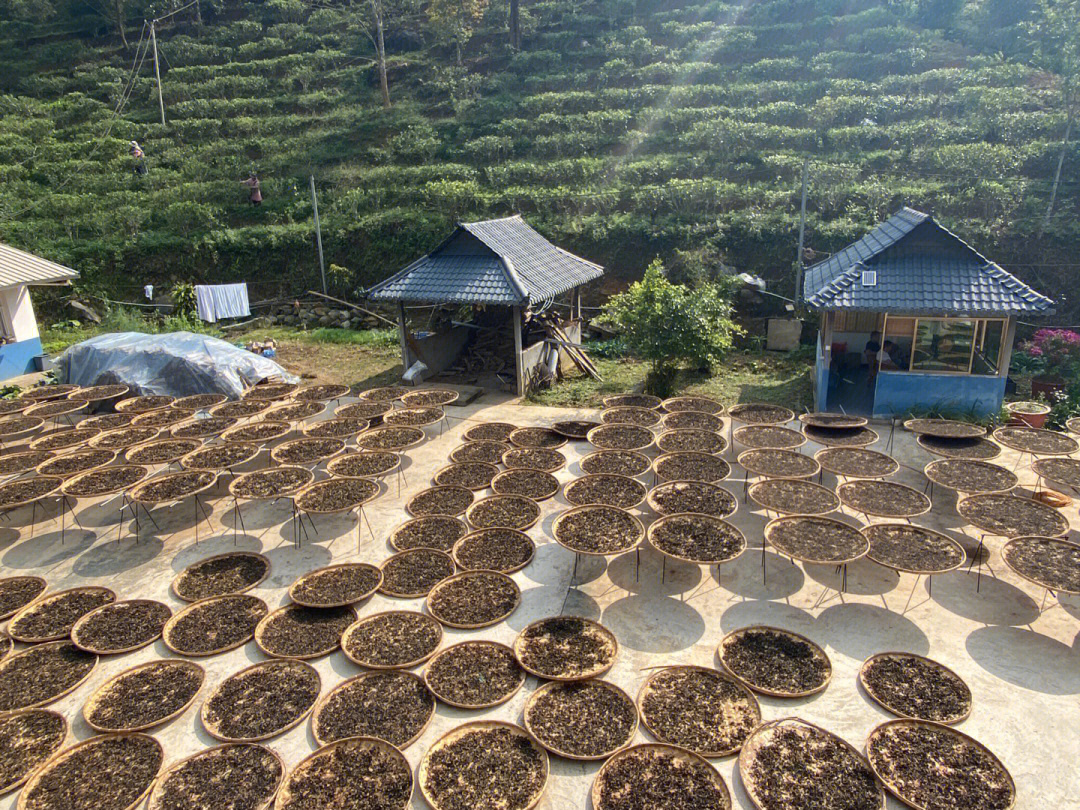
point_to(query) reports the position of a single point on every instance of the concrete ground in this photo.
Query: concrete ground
(1021, 661)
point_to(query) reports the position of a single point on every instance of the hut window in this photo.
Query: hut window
(989, 337)
(943, 345)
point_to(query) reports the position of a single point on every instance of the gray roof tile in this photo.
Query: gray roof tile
(940, 275)
(516, 265)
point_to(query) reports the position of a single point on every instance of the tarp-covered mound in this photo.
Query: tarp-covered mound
(178, 364)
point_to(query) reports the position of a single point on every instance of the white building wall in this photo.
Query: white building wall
(18, 313)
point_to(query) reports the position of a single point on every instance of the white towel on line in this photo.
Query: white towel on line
(215, 302)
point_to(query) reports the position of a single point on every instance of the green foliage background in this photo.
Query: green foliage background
(623, 130)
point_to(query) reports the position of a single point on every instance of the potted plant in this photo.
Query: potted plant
(1032, 414)
(1054, 354)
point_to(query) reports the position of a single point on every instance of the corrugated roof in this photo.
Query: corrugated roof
(515, 264)
(20, 267)
(942, 275)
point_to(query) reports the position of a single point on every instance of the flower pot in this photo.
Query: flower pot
(1044, 386)
(1032, 414)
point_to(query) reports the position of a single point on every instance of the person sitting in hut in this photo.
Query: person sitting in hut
(255, 197)
(870, 355)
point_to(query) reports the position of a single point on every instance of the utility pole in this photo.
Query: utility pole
(318, 234)
(157, 70)
(802, 234)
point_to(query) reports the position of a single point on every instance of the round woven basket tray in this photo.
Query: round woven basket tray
(945, 428)
(465, 575)
(86, 618)
(26, 796)
(410, 437)
(700, 404)
(768, 437)
(562, 540)
(552, 686)
(204, 481)
(192, 607)
(639, 438)
(747, 695)
(857, 551)
(575, 492)
(338, 466)
(285, 801)
(760, 413)
(157, 800)
(954, 558)
(333, 447)
(485, 705)
(55, 408)
(756, 462)
(99, 693)
(107, 595)
(941, 767)
(841, 437)
(1036, 441)
(765, 494)
(294, 589)
(358, 625)
(247, 586)
(684, 760)
(479, 506)
(214, 730)
(757, 739)
(427, 397)
(739, 538)
(63, 439)
(304, 477)
(928, 662)
(816, 651)
(593, 628)
(626, 415)
(319, 733)
(632, 400)
(832, 420)
(1066, 556)
(841, 461)
(947, 472)
(481, 725)
(844, 491)
(58, 745)
(97, 393)
(49, 483)
(1054, 524)
(362, 491)
(16, 427)
(721, 469)
(93, 459)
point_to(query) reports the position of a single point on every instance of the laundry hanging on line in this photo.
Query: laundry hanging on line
(215, 302)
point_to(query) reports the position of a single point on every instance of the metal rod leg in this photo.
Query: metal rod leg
(663, 574)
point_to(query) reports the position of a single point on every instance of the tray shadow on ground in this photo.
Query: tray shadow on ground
(864, 578)
(679, 578)
(45, 549)
(744, 578)
(653, 623)
(537, 603)
(761, 611)
(110, 558)
(860, 630)
(996, 602)
(1026, 659)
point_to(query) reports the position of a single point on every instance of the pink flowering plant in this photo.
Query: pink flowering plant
(1054, 352)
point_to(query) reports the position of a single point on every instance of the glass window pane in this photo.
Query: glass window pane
(988, 347)
(943, 345)
(896, 344)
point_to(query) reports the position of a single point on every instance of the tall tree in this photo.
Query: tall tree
(515, 25)
(1055, 47)
(455, 19)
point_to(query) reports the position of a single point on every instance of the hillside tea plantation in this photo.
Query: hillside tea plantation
(622, 130)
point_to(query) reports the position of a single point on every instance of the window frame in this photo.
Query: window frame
(980, 325)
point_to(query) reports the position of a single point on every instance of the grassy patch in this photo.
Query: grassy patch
(751, 376)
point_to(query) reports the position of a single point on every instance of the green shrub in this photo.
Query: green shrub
(668, 325)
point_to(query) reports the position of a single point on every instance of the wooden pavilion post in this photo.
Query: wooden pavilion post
(402, 326)
(516, 322)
